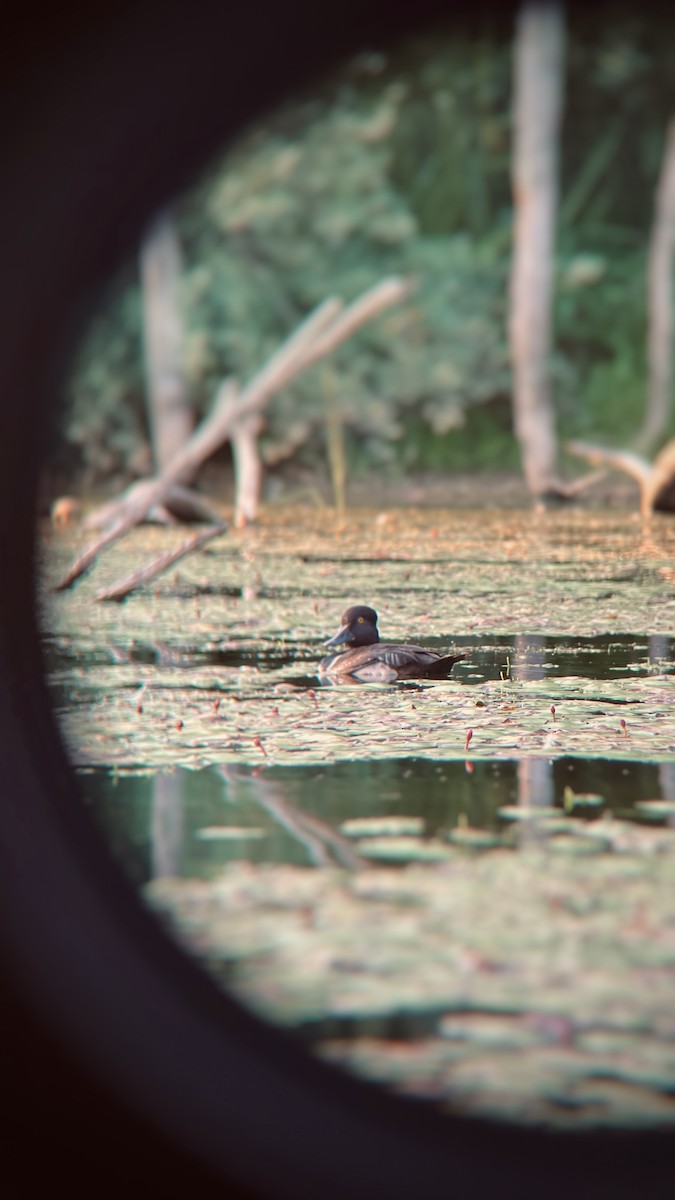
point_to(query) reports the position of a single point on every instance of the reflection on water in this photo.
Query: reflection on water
(167, 822)
(436, 974)
(330, 855)
(488, 657)
(535, 782)
(157, 823)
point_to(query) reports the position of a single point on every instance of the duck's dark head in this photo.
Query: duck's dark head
(359, 628)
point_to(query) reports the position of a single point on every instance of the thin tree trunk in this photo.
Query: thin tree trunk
(248, 469)
(170, 416)
(660, 303)
(335, 442)
(538, 88)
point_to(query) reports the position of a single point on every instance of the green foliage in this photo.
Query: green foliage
(400, 165)
(483, 440)
(452, 139)
(305, 209)
(601, 322)
(104, 420)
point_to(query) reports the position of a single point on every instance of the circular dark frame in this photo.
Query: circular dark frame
(122, 1060)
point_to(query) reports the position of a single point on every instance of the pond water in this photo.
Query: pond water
(191, 823)
(460, 889)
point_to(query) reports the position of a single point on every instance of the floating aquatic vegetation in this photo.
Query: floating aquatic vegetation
(474, 839)
(385, 826)
(525, 812)
(404, 849)
(658, 809)
(542, 971)
(570, 959)
(217, 833)
(572, 800)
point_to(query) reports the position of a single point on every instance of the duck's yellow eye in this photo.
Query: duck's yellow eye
(360, 620)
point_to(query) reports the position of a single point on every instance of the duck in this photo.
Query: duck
(369, 660)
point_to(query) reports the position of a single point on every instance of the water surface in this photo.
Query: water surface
(461, 889)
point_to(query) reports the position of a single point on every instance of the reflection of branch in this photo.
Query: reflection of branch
(312, 833)
(289, 819)
(342, 848)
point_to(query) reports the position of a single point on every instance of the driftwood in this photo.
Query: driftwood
(656, 480)
(318, 335)
(123, 587)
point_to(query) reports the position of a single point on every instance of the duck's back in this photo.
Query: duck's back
(384, 662)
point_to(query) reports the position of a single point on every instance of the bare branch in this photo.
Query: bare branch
(622, 460)
(655, 481)
(570, 490)
(122, 587)
(319, 334)
(182, 503)
(91, 552)
(384, 295)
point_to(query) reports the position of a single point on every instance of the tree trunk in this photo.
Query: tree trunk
(538, 88)
(248, 469)
(660, 303)
(170, 416)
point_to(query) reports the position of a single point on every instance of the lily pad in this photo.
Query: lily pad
(659, 809)
(572, 800)
(376, 827)
(555, 825)
(577, 845)
(216, 833)
(525, 812)
(404, 849)
(476, 839)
